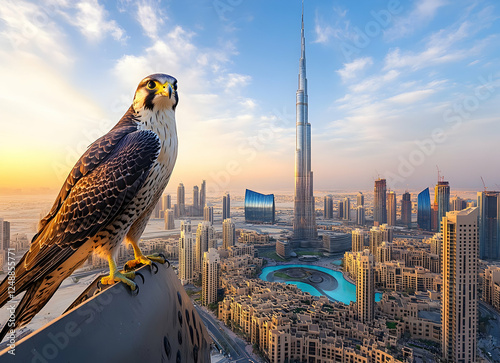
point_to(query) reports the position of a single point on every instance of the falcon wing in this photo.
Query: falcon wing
(93, 202)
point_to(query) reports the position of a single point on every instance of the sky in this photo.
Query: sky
(396, 89)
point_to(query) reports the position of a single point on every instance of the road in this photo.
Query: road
(221, 335)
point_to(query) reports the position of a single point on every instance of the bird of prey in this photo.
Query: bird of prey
(107, 198)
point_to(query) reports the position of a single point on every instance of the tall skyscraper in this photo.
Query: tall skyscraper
(203, 194)
(346, 206)
(376, 239)
(180, 200)
(204, 238)
(457, 203)
(156, 211)
(169, 219)
(4, 239)
(208, 214)
(489, 225)
(459, 291)
(442, 198)
(226, 206)
(365, 287)
(379, 202)
(424, 210)
(435, 222)
(228, 234)
(186, 254)
(210, 277)
(328, 207)
(391, 208)
(360, 199)
(358, 240)
(167, 202)
(196, 209)
(340, 210)
(406, 209)
(304, 218)
(360, 215)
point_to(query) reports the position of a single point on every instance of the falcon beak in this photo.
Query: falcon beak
(166, 90)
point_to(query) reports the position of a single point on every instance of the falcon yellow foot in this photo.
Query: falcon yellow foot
(118, 276)
(146, 260)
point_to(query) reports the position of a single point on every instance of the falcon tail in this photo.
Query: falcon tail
(32, 302)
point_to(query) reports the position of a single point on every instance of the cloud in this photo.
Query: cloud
(350, 70)
(28, 27)
(423, 12)
(150, 17)
(91, 19)
(411, 97)
(374, 83)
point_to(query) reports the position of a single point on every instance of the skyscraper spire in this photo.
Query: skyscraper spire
(304, 221)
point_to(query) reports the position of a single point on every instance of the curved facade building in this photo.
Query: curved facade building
(259, 208)
(424, 210)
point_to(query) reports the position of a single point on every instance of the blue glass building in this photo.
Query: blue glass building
(259, 208)
(424, 210)
(488, 203)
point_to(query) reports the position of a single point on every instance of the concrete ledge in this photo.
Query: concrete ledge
(159, 324)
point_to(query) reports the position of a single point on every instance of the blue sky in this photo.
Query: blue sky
(395, 88)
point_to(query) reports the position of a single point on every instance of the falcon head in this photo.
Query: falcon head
(155, 92)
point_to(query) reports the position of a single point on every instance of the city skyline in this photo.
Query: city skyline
(384, 81)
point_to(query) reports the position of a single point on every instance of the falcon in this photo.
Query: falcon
(106, 199)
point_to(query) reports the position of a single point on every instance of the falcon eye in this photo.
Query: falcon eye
(151, 85)
(175, 86)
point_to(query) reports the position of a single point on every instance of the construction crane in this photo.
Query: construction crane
(484, 185)
(440, 178)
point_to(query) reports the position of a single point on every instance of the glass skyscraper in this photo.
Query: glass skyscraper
(442, 199)
(489, 225)
(259, 208)
(424, 210)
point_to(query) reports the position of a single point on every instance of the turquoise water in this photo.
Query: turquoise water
(345, 292)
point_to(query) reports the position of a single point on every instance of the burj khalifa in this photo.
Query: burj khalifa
(304, 220)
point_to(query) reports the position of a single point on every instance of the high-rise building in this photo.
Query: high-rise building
(304, 216)
(365, 286)
(360, 199)
(358, 240)
(406, 209)
(379, 202)
(4, 239)
(340, 210)
(169, 219)
(328, 207)
(228, 233)
(210, 277)
(376, 238)
(346, 206)
(186, 254)
(196, 208)
(442, 199)
(424, 210)
(157, 210)
(391, 208)
(259, 208)
(387, 232)
(436, 245)
(180, 200)
(435, 222)
(226, 206)
(208, 214)
(489, 225)
(167, 202)
(203, 194)
(457, 203)
(204, 239)
(459, 291)
(360, 215)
